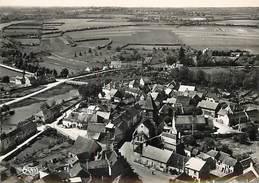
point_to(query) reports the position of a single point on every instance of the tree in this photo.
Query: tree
(55, 73)
(190, 140)
(89, 50)
(226, 149)
(200, 76)
(6, 79)
(170, 60)
(64, 73)
(90, 90)
(208, 144)
(181, 55)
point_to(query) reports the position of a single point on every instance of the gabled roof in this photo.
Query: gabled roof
(213, 153)
(96, 127)
(195, 164)
(98, 164)
(168, 138)
(161, 155)
(206, 104)
(186, 88)
(184, 100)
(171, 100)
(165, 109)
(84, 145)
(203, 156)
(76, 170)
(149, 104)
(190, 119)
(178, 161)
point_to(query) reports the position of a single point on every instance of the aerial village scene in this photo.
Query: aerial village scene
(129, 94)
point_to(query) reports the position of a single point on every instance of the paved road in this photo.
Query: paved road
(52, 85)
(14, 69)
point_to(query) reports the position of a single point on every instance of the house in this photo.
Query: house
(190, 122)
(48, 113)
(197, 168)
(191, 151)
(177, 162)
(205, 157)
(184, 88)
(182, 101)
(223, 117)
(78, 171)
(247, 177)
(214, 154)
(95, 130)
(133, 91)
(85, 149)
(80, 120)
(99, 168)
(155, 158)
(116, 64)
(170, 101)
(144, 81)
(209, 108)
(166, 110)
(109, 94)
(133, 84)
(226, 164)
(26, 80)
(22, 132)
(238, 118)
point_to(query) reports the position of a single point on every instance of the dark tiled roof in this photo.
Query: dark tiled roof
(96, 127)
(178, 161)
(213, 153)
(189, 119)
(98, 164)
(149, 104)
(184, 100)
(84, 145)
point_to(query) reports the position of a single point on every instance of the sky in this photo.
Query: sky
(133, 3)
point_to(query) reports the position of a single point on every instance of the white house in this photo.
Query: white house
(184, 88)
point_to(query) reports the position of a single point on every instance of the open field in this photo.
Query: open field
(238, 22)
(7, 72)
(219, 37)
(87, 23)
(132, 34)
(78, 58)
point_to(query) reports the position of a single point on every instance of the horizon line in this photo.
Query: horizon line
(21, 6)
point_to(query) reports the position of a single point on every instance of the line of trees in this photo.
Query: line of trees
(230, 79)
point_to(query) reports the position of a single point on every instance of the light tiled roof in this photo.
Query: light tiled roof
(161, 155)
(208, 104)
(195, 164)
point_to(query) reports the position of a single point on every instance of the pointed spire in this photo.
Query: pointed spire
(149, 103)
(173, 129)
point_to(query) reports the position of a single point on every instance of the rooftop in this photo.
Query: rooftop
(195, 164)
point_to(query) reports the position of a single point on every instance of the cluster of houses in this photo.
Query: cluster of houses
(156, 118)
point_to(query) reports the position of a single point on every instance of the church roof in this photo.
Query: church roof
(149, 103)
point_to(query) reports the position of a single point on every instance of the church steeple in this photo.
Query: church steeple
(150, 109)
